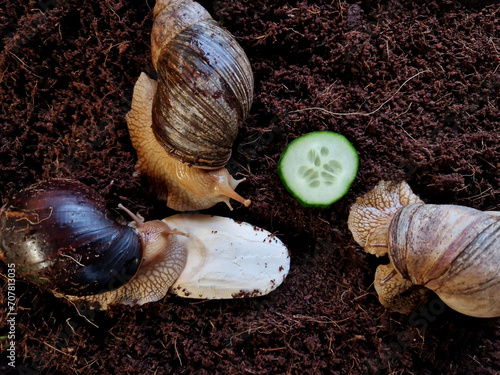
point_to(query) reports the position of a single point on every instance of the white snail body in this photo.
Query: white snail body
(451, 250)
(183, 126)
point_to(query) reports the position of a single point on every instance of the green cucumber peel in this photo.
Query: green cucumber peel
(318, 168)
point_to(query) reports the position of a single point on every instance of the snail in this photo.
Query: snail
(449, 249)
(183, 126)
(60, 236)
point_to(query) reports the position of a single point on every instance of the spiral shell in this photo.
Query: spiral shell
(61, 237)
(205, 85)
(452, 250)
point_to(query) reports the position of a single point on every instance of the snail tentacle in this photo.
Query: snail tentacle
(397, 293)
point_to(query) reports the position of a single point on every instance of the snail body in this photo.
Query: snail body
(449, 249)
(183, 187)
(60, 236)
(183, 126)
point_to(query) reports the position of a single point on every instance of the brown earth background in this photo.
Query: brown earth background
(413, 85)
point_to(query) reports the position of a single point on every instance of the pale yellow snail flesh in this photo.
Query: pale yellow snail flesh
(451, 250)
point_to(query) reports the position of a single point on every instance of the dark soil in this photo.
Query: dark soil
(413, 85)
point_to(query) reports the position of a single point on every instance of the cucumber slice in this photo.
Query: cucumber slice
(318, 168)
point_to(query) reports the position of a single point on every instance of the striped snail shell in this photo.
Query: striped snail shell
(205, 84)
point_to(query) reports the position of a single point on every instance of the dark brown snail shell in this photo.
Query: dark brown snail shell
(205, 86)
(61, 237)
